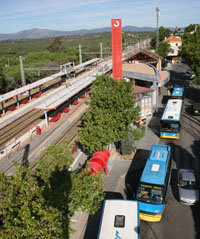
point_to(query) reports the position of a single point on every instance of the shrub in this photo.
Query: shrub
(138, 133)
(127, 144)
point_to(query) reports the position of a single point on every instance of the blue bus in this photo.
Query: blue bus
(154, 182)
(178, 92)
(170, 122)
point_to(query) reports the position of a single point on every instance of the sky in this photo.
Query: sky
(69, 15)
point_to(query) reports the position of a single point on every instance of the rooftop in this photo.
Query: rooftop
(173, 38)
(139, 68)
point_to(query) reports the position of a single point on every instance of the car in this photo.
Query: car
(188, 187)
(180, 60)
(195, 109)
(192, 75)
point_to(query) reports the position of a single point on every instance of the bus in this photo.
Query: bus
(154, 183)
(178, 92)
(119, 219)
(170, 121)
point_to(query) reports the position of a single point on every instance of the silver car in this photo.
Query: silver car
(188, 186)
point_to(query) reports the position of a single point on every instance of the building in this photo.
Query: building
(175, 42)
(143, 98)
(144, 68)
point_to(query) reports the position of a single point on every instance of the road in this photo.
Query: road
(180, 221)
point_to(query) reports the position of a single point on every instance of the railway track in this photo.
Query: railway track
(18, 127)
(69, 134)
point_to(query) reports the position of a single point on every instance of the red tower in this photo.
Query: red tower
(117, 48)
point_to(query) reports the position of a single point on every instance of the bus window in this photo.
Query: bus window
(149, 194)
(167, 126)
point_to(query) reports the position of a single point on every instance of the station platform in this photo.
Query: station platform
(10, 116)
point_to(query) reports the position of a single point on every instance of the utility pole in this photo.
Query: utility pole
(80, 55)
(22, 72)
(157, 34)
(101, 50)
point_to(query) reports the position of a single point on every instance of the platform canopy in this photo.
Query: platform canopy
(65, 94)
(28, 87)
(33, 85)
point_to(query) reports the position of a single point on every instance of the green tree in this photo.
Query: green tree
(163, 49)
(127, 144)
(39, 202)
(2, 82)
(163, 33)
(55, 45)
(112, 110)
(190, 50)
(190, 28)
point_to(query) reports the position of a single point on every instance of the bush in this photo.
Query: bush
(127, 144)
(196, 80)
(138, 133)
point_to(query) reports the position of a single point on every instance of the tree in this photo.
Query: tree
(39, 202)
(190, 28)
(190, 50)
(112, 110)
(2, 82)
(55, 45)
(127, 144)
(163, 49)
(163, 33)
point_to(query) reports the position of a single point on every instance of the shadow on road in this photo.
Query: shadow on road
(196, 215)
(183, 157)
(25, 161)
(134, 173)
(174, 182)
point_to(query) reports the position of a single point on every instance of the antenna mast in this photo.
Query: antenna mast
(157, 34)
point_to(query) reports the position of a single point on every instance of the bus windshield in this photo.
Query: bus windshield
(169, 126)
(150, 194)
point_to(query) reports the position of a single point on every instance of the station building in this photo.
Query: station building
(144, 68)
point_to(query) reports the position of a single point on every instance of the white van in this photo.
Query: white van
(119, 220)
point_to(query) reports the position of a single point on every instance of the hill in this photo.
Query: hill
(37, 33)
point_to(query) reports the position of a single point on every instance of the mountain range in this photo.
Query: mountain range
(37, 33)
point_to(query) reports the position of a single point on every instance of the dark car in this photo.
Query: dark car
(195, 109)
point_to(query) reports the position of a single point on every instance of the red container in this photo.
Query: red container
(106, 151)
(101, 155)
(98, 161)
(95, 167)
(38, 130)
